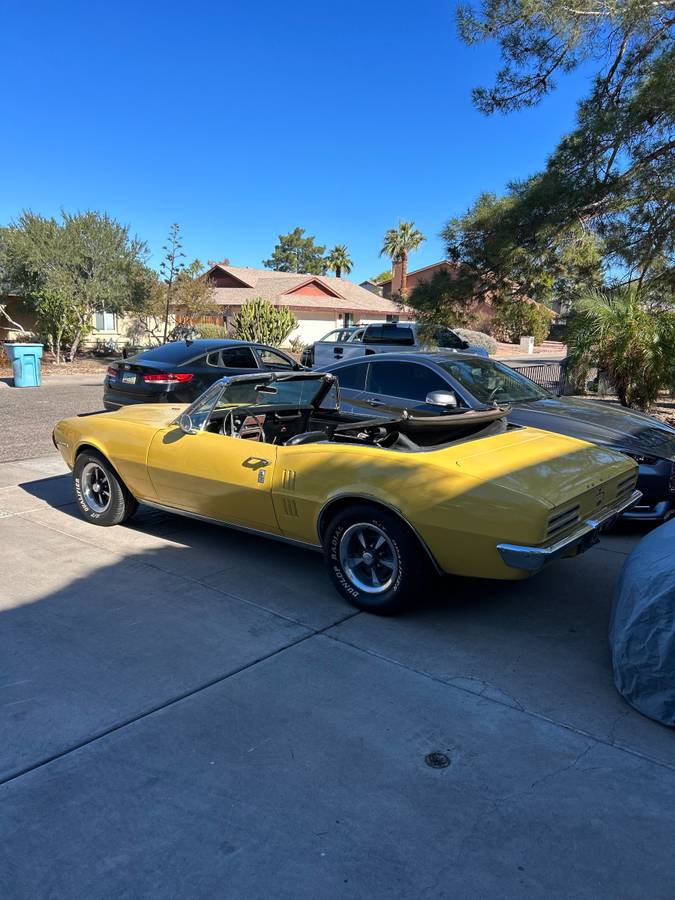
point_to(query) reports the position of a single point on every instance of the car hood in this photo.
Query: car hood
(551, 467)
(599, 423)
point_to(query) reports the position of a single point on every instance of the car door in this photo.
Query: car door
(393, 385)
(212, 475)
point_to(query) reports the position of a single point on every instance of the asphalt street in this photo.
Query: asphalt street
(28, 415)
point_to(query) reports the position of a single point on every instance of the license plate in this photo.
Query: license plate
(128, 378)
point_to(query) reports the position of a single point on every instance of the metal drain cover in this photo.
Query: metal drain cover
(437, 760)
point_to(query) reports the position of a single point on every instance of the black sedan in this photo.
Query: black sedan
(438, 383)
(180, 371)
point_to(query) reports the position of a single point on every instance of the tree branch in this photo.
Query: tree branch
(15, 325)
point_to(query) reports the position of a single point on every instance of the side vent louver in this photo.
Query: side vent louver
(290, 507)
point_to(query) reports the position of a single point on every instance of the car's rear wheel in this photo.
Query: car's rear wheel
(374, 559)
(102, 498)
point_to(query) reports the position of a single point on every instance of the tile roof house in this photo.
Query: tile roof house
(320, 303)
(393, 285)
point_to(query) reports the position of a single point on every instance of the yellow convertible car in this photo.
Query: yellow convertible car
(464, 493)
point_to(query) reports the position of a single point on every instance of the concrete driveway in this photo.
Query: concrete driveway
(187, 711)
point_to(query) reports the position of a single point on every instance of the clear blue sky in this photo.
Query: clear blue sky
(240, 120)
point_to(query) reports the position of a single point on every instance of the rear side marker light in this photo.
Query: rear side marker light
(169, 378)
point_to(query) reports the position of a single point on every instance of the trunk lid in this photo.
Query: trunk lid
(129, 379)
(537, 463)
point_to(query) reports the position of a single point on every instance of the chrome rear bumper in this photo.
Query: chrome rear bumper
(532, 559)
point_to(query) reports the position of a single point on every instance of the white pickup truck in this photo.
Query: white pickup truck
(386, 338)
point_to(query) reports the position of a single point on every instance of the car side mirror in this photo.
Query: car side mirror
(465, 345)
(442, 398)
(185, 424)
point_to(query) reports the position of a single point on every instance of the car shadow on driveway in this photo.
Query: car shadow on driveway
(54, 490)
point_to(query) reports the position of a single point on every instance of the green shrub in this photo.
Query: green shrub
(210, 332)
(516, 319)
(263, 322)
(478, 339)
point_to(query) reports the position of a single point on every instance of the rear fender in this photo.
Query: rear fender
(123, 443)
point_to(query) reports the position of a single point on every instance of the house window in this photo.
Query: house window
(349, 319)
(106, 321)
(393, 319)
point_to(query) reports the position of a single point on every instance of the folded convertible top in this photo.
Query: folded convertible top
(449, 422)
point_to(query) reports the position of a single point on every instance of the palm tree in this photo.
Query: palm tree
(398, 243)
(339, 260)
(633, 345)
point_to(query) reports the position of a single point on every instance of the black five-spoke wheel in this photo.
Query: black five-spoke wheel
(95, 487)
(368, 557)
(101, 495)
(375, 561)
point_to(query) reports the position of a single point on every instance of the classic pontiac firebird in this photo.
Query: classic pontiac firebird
(387, 501)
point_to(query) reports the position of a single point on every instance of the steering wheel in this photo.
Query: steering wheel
(227, 427)
(246, 429)
(493, 393)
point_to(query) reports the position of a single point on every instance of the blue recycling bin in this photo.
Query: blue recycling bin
(26, 363)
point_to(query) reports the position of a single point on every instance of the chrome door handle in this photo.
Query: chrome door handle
(254, 462)
(375, 402)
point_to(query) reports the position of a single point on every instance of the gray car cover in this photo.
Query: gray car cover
(642, 627)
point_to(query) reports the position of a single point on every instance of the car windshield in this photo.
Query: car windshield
(285, 391)
(488, 381)
(278, 392)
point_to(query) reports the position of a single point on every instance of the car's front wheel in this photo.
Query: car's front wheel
(102, 498)
(374, 559)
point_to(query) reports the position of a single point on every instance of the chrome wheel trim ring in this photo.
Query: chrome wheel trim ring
(368, 558)
(96, 489)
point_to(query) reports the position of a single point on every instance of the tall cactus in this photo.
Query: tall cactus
(261, 321)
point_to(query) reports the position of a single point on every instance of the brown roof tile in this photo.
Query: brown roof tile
(274, 286)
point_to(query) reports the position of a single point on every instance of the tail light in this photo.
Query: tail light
(168, 378)
(113, 372)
